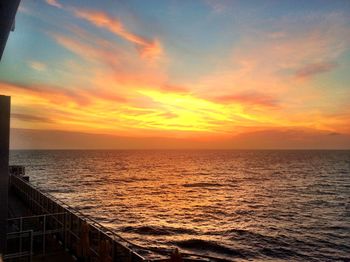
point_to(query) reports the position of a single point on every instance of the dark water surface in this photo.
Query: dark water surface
(239, 205)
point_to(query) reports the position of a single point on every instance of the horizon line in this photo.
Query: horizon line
(177, 149)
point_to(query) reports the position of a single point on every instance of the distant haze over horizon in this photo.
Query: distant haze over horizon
(179, 74)
(287, 139)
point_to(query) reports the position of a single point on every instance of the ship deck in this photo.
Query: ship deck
(54, 251)
(43, 228)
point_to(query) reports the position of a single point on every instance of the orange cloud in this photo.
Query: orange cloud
(50, 94)
(107, 67)
(113, 91)
(148, 49)
(52, 107)
(93, 110)
(150, 112)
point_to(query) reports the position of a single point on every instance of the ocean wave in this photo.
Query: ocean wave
(58, 190)
(157, 231)
(225, 200)
(250, 237)
(203, 184)
(282, 253)
(204, 245)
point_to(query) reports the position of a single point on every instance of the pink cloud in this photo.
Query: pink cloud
(249, 99)
(148, 49)
(310, 70)
(37, 65)
(86, 50)
(54, 3)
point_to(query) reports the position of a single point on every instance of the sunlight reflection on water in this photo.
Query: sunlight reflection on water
(233, 204)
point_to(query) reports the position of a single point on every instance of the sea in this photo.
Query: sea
(233, 205)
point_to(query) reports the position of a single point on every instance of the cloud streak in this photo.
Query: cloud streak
(99, 78)
(315, 69)
(108, 67)
(30, 118)
(54, 3)
(252, 99)
(85, 50)
(37, 65)
(148, 49)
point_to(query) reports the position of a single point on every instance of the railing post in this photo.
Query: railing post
(20, 230)
(113, 249)
(65, 230)
(31, 245)
(44, 236)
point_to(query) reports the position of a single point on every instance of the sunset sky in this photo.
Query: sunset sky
(196, 70)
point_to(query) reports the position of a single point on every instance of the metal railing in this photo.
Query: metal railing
(81, 235)
(19, 245)
(40, 225)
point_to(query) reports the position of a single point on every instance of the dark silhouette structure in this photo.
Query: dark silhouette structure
(4, 169)
(8, 9)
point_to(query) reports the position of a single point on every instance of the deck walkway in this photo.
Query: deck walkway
(16, 207)
(54, 251)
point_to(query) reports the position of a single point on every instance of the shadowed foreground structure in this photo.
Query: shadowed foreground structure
(29, 237)
(8, 11)
(41, 228)
(4, 160)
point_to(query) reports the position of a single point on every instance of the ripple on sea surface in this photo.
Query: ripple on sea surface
(244, 205)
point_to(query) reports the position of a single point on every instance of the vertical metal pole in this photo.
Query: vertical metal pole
(31, 245)
(113, 249)
(20, 230)
(5, 102)
(65, 230)
(44, 235)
